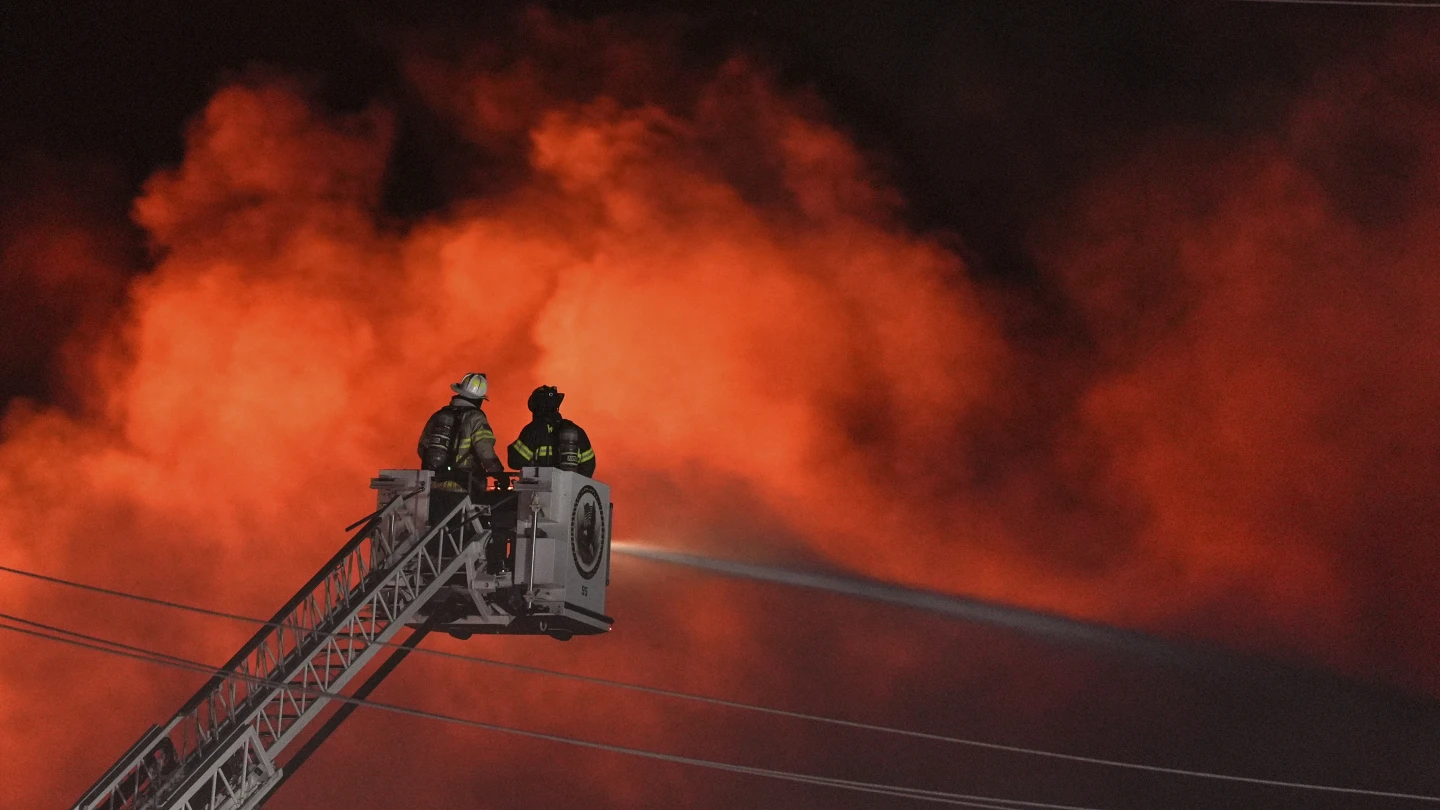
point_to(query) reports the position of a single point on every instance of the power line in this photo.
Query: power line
(794, 715)
(96, 644)
(149, 600)
(126, 651)
(1376, 3)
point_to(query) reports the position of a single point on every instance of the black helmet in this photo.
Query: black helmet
(545, 399)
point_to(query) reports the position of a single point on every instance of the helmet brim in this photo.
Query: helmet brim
(460, 391)
(540, 403)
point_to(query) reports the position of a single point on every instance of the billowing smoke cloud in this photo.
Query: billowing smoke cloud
(779, 344)
(759, 347)
(1265, 315)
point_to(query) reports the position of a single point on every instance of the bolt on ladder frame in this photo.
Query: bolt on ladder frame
(224, 749)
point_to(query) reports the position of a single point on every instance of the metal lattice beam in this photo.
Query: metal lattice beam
(220, 751)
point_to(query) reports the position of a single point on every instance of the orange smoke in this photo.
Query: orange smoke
(754, 340)
(289, 342)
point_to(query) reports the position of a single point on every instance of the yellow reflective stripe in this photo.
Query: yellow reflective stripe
(482, 434)
(545, 450)
(587, 455)
(523, 450)
(463, 446)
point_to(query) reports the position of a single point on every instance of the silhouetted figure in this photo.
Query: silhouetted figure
(540, 443)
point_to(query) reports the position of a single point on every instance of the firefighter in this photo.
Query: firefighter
(457, 443)
(540, 443)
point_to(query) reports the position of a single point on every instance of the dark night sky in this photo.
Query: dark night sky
(984, 114)
(988, 116)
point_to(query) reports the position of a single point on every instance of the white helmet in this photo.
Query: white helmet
(473, 386)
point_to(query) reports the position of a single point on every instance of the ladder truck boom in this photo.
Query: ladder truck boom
(492, 564)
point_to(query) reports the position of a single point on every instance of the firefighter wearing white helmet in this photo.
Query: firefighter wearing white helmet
(457, 441)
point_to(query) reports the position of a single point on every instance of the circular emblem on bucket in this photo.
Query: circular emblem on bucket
(587, 532)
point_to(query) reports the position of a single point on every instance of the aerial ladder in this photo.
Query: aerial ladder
(528, 556)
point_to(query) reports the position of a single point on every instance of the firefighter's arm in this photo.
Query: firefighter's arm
(519, 453)
(481, 443)
(586, 456)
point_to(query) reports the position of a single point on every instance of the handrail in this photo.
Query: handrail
(205, 726)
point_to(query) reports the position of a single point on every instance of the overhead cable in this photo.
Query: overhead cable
(794, 715)
(93, 643)
(1375, 3)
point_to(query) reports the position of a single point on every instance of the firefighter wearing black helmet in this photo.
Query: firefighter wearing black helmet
(540, 443)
